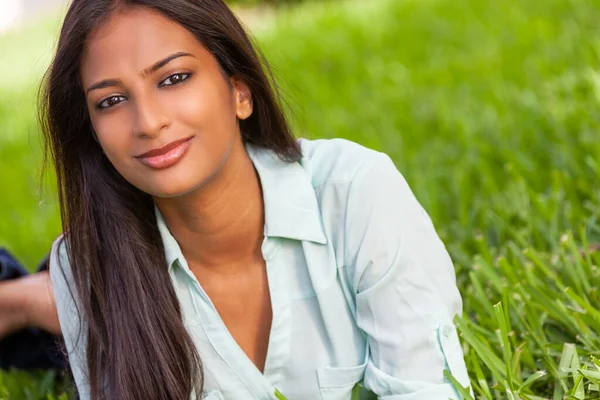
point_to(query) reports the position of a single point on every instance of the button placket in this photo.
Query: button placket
(280, 335)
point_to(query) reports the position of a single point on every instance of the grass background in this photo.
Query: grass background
(489, 109)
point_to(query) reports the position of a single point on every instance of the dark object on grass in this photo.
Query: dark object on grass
(30, 348)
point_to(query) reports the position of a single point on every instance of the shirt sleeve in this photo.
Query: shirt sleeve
(405, 289)
(73, 330)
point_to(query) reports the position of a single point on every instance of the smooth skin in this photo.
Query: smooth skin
(211, 199)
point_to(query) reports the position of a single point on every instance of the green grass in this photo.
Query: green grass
(490, 110)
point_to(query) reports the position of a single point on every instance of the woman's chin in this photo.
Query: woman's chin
(167, 188)
(170, 191)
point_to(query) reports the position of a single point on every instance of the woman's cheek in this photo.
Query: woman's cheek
(203, 103)
(189, 106)
(118, 148)
(114, 131)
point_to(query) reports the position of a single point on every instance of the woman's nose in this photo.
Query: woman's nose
(151, 117)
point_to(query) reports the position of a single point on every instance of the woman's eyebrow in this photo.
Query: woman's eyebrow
(159, 64)
(144, 73)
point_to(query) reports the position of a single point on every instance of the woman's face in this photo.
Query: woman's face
(163, 111)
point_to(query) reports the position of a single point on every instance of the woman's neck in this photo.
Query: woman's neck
(220, 226)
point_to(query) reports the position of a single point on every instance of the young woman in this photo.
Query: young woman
(209, 254)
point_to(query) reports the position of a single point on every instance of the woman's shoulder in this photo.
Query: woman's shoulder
(72, 324)
(61, 274)
(355, 186)
(361, 185)
(336, 160)
(59, 260)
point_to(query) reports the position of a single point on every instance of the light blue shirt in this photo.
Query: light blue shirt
(362, 288)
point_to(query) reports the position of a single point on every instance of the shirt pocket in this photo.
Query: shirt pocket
(336, 383)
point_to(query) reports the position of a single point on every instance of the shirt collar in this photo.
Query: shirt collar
(291, 206)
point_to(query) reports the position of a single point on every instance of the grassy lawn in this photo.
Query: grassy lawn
(491, 111)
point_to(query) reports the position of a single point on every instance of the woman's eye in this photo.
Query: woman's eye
(174, 79)
(111, 101)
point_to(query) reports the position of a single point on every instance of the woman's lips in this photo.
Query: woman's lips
(167, 155)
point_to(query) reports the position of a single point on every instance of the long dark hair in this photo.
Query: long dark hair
(137, 345)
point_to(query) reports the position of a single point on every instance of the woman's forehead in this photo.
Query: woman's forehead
(134, 38)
